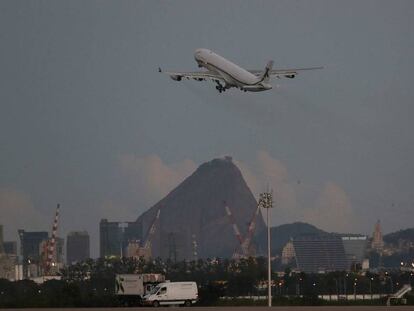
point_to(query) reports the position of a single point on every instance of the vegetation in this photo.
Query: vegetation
(221, 282)
(395, 237)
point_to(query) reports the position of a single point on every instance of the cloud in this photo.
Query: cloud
(266, 173)
(328, 208)
(150, 178)
(18, 212)
(333, 210)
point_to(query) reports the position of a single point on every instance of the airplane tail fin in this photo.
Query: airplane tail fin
(265, 76)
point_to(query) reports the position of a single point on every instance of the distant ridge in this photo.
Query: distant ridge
(280, 235)
(394, 237)
(193, 213)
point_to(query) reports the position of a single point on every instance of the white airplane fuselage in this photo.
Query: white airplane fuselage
(233, 75)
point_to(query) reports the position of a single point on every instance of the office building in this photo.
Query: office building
(10, 247)
(319, 254)
(355, 248)
(7, 267)
(30, 245)
(77, 247)
(7, 261)
(110, 238)
(132, 233)
(114, 237)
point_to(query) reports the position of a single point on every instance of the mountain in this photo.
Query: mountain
(192, 216)
(394, 237)
(280, 235)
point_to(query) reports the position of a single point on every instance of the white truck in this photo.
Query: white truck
(172, 293)
(130, 288)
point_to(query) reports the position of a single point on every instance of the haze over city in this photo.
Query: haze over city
(88, 122)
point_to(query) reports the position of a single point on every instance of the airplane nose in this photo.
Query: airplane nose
(197, 55)
(201, 51)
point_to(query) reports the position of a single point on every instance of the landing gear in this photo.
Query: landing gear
(219, 87)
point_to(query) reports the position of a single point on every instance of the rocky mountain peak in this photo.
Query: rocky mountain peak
(193, 218)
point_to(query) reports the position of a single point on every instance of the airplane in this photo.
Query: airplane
(227, 74)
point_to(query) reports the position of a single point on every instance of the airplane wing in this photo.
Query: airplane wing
(195, 75)
(287, 73)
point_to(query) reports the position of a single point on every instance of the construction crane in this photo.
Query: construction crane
(233, 223)
(137, 248)
(151, 231)
(250, 232)
(49, 254)
(245, 242)
(238, 253)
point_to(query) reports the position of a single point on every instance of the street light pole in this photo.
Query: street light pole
(355, 284)
(265, 201)
(269, 267)
(370, 286)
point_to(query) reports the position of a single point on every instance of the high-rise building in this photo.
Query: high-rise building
(315, 254)
(115, 237)
(60, 250)
(110, 238)
(77, 246)
(30, 244)
(10, 247)
(7, 266)
(30, 251)
(7, 259)
(132, 232)
(377, 241)
(355, 248)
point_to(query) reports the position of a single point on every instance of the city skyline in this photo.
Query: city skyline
(91, 124)
(115, 238)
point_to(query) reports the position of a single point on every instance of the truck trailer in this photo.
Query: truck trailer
(131, 288)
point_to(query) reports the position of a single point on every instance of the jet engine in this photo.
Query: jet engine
(176, 77)
(256, 88)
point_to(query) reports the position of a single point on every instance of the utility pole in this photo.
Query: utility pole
(266, 201)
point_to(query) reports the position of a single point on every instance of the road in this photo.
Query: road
(291, 308)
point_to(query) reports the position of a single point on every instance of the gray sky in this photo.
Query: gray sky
(86, 120)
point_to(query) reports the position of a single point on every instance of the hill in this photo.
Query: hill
(193, 215)
(280, 235)
(394, 237)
